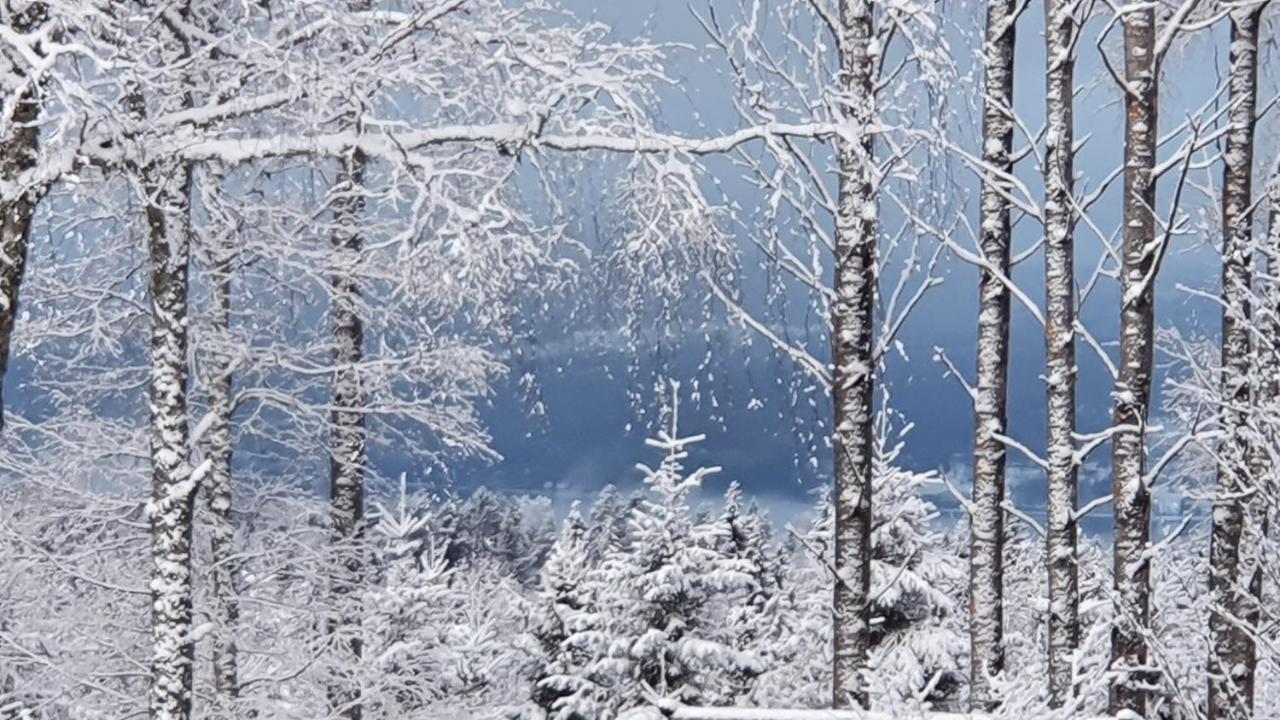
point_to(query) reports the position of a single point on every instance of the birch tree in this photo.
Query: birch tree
(1058, 215)
(161, 89)
(1239, 504)
(217, 234)
(986, 555)
(1140, 253)
(841, 75)
(348, 457)
(173, 484)
(1144, 242)
(347, 439)
(19, 147)
(1268, 355)
(217, 240)
(165, 188)
(852, 329)
(1062, 33)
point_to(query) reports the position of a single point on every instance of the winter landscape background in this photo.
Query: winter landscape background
(474, 358)
(580, 441)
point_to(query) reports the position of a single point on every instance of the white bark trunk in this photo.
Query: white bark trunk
(1269, 345)
(222, 575)
(986, 559)
(173, 488)
(1131, 496)
(347, 424)
(17, 155)
(852, 328)
(1061, 555)
(1238, 503)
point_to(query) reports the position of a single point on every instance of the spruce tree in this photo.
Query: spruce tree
(661, 633)
(407, 611)
(560, 690)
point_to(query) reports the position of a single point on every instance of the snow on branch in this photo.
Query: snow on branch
(678, 712)
(393, 145)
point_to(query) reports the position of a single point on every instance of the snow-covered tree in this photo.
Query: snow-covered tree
(759, 619)
(1146, 43)
(406, 610)
(986, 558)
(437, 638)
(919, 653)
(504, 532)
(19, 148)
(1064, 20)
(804, 680)
(659, 594)
(686, 606)
(564, 607)
(608, 522)
(1240, 500)
(822, 235)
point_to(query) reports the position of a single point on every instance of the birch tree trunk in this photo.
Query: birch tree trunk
(1265, 473)
(347, 423)
(1061, 28)
(18, 154)
(852, 328)
(986, 558)
(1269, 346)
(222, 575)
(173, 487)
(1131, 496)
(1238, 502)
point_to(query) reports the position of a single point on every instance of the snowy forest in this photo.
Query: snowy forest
(286, 287)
